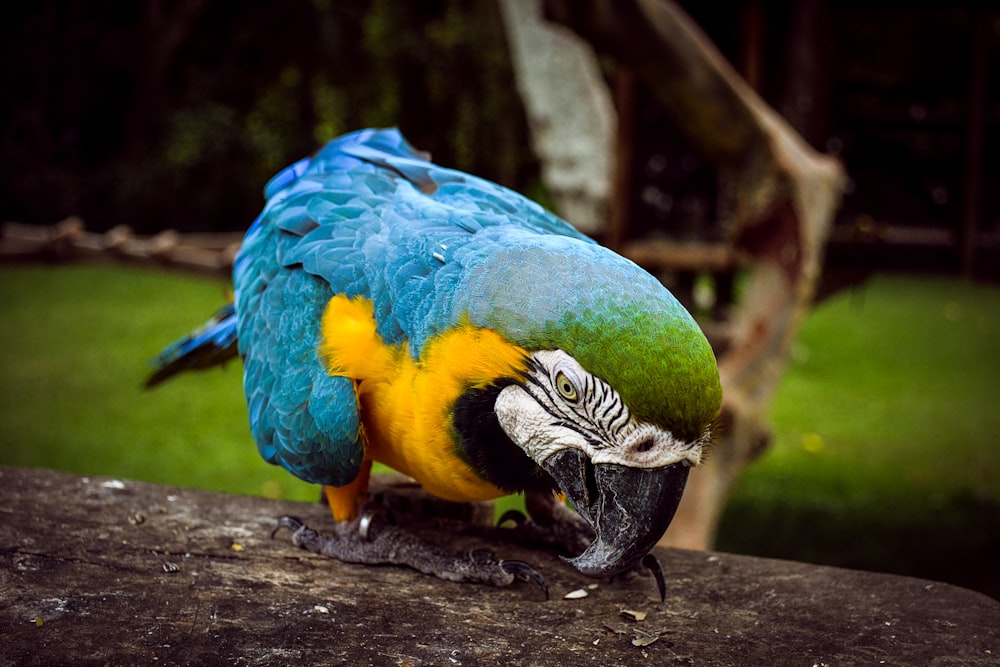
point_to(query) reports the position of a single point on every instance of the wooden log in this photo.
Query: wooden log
(655, 254)
(100, 571)
(211, 254)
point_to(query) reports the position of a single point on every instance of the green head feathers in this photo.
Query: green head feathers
(613, 317)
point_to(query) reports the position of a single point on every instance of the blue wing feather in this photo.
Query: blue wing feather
(211, 344)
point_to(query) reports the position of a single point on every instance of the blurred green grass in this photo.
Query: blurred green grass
(74, 346)
(885, 454)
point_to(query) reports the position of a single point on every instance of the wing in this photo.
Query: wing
(367, 216)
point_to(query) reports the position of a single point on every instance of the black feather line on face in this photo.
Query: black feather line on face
(545, 403)
(587, 416)
(484, 445)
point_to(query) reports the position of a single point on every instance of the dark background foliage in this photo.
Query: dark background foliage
(174, 114)
(163, 114)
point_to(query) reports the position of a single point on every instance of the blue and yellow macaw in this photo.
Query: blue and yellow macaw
(388, 309)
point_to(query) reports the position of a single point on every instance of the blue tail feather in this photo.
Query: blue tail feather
(212, 344)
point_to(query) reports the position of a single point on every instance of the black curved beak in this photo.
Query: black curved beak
(629, 508)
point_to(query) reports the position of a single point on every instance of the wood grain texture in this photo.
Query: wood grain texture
(102, 571)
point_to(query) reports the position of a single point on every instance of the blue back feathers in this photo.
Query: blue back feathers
(367, 215)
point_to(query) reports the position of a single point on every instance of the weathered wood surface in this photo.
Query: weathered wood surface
(101, 571)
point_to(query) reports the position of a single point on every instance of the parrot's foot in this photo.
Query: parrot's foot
(566, 537)
(552, 524)
(372, 542)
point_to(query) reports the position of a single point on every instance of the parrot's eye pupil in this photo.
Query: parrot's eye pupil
(565, 387)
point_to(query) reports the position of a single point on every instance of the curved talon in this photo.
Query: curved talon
(516, 516)
(525, 572)
(650, 562)
(365, 524)
(291, 523)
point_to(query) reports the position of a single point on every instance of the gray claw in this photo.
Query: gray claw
(372, 518)
(650, 562)
(291, 523)
(365, 524)
(525, 572)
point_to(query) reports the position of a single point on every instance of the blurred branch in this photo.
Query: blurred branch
(69, 241)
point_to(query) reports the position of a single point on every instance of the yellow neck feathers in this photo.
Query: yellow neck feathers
(406, 403)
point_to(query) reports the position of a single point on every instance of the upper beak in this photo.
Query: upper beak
(629, 508)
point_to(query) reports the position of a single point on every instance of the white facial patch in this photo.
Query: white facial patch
(561, 405)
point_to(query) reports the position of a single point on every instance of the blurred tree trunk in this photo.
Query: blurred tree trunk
(570, 112)
(778, 198)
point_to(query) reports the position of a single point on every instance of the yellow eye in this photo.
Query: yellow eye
(566, 388)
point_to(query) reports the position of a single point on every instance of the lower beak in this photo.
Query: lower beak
(629, 508)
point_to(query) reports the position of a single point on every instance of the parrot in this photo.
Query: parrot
(387, 309)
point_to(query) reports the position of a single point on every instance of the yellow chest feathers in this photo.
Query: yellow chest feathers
(406, 403)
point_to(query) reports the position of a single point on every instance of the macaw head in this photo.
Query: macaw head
(619, 391)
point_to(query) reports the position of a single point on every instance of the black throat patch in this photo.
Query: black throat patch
(484, 445)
